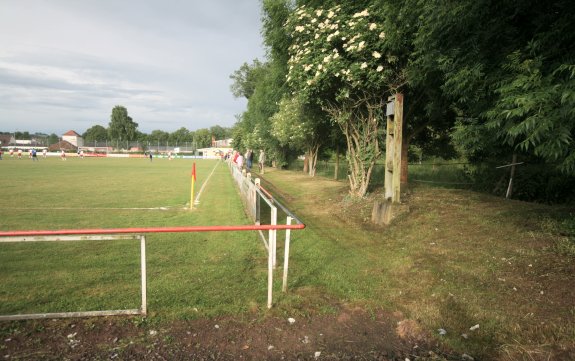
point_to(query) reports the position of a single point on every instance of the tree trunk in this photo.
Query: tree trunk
(305, 163)
(311, 156)
(336, 170)
(359, 121)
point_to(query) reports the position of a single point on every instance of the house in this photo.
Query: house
(6, 140)
(73, 138)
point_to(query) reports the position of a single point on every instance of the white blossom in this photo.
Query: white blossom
(379, 68)
(376, 55)
(382, 35)
(363, 13)
(372, 26)
(299, 28)
(363, 65)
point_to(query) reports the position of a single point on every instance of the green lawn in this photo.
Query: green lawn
(189, 274)
(456, 259)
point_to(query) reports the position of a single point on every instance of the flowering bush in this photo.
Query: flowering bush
(338, 60)
(335, 54)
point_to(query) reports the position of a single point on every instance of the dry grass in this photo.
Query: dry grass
(454, 260)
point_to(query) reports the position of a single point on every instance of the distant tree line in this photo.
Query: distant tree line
(122, 128)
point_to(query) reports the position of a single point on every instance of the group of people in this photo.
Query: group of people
(248, 158)
(32, 153)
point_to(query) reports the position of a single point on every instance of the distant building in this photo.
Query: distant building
(62, 145)
(73, 138)
(6, 140)
(221, 143)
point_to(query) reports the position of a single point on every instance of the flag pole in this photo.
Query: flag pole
(193, 183)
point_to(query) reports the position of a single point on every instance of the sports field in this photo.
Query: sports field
(189, 274)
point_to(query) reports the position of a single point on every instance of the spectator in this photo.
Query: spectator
(240, 161)
(249, 159)
(262, 160)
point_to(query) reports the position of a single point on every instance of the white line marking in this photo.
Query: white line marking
(197, 200)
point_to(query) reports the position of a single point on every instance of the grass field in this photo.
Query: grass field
(454, 260)
(189, 274)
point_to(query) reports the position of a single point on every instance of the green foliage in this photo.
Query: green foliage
(203, 138)
(245, 79)
(180, 136)
(95, 134)
(159, 136)
(121, 126)
(535, 110)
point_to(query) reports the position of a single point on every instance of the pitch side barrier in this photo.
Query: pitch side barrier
(137, 234)
(252, 194)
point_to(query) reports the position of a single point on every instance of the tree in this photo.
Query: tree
(121, 126)
(159, 136)
(53, 139)
(96, 133)
(218, 132)
(202, 138)
(296, 126)
(245, 79)
(180, 136)
(338, 59)
(507, 68)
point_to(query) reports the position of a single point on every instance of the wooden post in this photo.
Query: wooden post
(510, 186)
(389, 148)
(397, 142)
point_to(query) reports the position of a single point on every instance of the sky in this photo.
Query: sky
(65, 64)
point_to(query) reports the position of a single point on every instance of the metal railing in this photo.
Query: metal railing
(247, 187)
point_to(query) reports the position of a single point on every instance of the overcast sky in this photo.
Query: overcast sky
(64, 64)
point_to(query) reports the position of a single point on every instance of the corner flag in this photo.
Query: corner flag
(193, 181)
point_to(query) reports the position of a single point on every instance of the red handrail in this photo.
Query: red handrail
(149, 230)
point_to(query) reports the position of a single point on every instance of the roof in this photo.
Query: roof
(62, 145)
(71, 132)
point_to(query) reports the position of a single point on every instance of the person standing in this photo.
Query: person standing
(44, 152)
(249, 160)
(150, 156)
(240, 161)
(34, 155)
(19, 153)
(261, 160)
(63, 155)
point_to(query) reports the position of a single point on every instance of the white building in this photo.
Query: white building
(73, 138)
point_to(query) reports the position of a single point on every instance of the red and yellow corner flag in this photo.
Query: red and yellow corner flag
(193, 181)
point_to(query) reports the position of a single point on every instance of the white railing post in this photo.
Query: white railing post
(286, 254)
(144, 280)
(273, 235)
(270, 273)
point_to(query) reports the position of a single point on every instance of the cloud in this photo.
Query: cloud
(70, 62)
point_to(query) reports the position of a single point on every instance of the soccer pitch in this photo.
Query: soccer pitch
(189, 274)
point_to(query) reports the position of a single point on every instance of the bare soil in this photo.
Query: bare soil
(351, 334)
